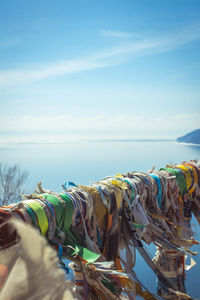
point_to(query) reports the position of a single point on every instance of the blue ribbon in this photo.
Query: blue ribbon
(158, 182)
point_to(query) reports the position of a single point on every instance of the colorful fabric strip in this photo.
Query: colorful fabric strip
(39, 211)
(158, 182)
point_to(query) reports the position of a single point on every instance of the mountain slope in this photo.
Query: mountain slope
(191, 137)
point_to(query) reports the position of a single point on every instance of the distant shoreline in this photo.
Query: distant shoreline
(187, 144)
(35, 141)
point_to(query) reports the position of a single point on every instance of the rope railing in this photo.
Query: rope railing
(100, 227)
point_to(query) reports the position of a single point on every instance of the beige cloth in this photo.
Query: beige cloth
(29, 269)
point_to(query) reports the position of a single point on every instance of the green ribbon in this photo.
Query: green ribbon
(132, 188)
(41, 215)
(58, 208)
(180, 179)
(64, 214)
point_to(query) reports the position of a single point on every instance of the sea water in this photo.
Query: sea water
(82, 161)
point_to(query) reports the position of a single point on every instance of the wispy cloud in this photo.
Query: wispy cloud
(117, 34)
(105, 58)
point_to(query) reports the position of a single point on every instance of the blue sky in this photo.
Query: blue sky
(100, 68)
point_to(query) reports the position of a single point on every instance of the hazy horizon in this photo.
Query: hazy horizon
(91, 69)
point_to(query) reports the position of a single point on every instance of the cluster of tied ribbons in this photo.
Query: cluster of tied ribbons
(99, 227)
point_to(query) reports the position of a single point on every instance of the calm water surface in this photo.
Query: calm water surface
(85, 161)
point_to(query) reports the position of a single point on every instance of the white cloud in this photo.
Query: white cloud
(117, 34)
(120, 126)
(103, 59)
(43, 72)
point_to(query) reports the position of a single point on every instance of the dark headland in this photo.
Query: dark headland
(191, 137)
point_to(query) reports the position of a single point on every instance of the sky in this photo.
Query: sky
(100, 69)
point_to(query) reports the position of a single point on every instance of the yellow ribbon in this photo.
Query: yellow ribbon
(42, 218)
(119, 183)
(119, 175)
(126, 282)
(195, 176)
(187, 175)
(145, 294)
